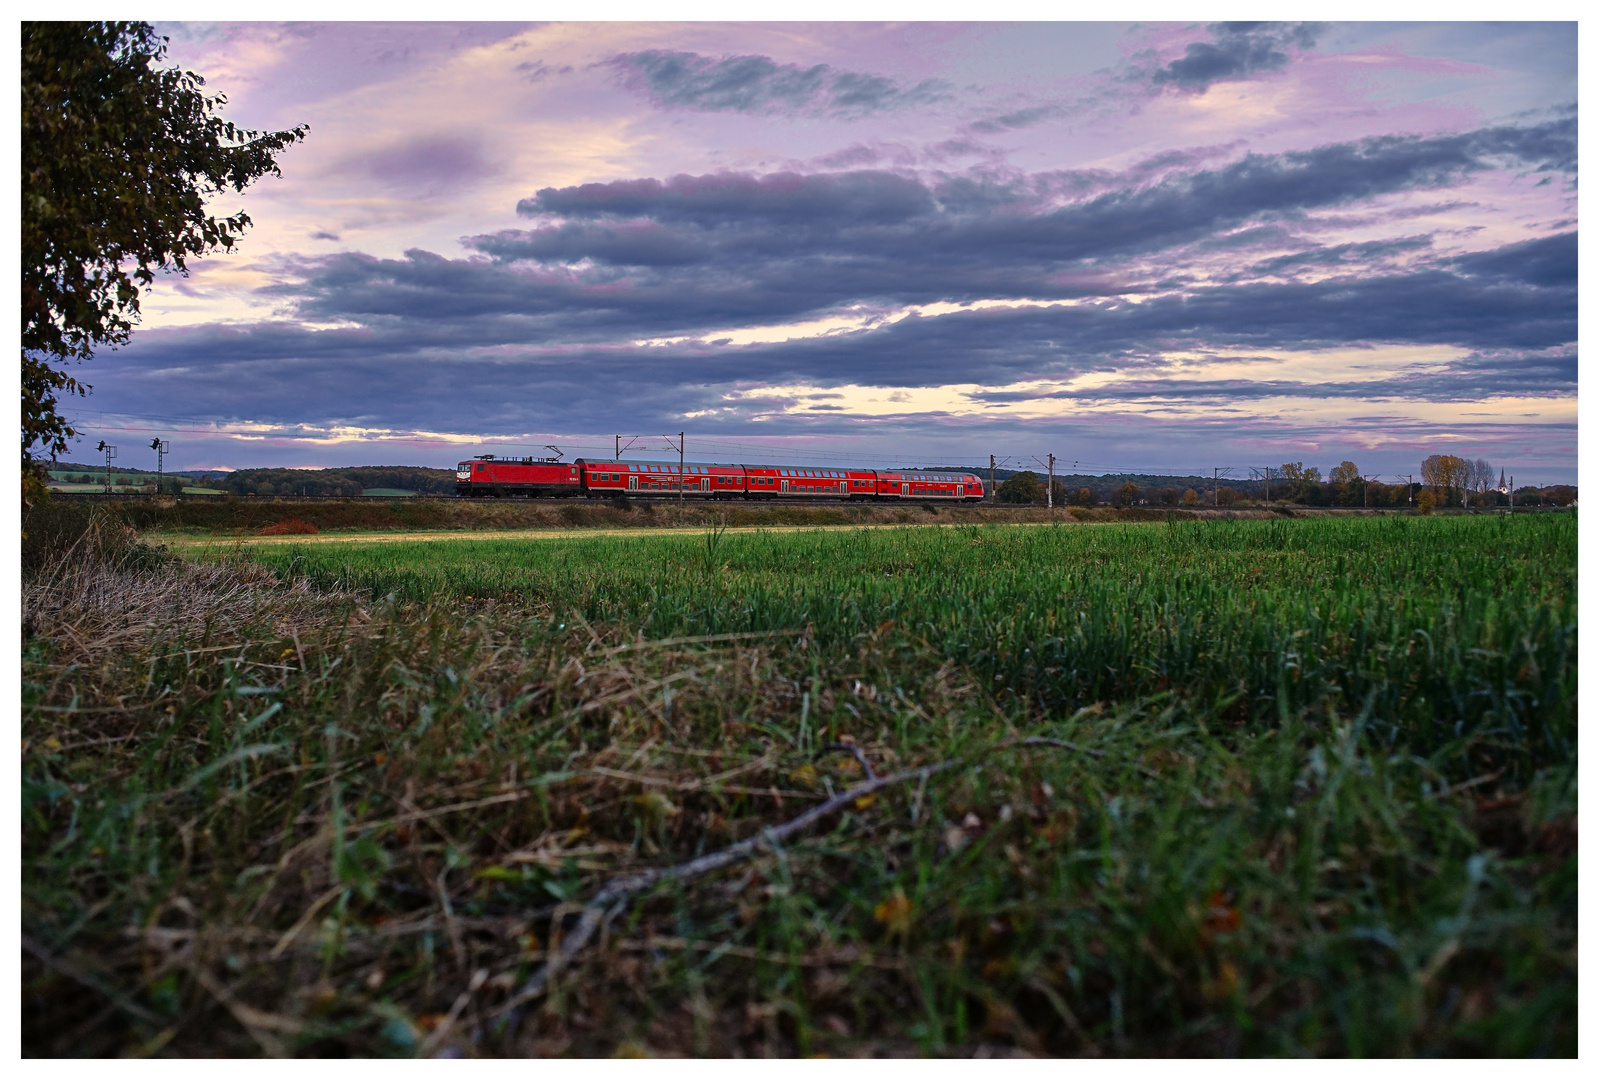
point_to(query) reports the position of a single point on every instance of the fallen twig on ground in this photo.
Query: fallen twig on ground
(616, 892)
(614, 895)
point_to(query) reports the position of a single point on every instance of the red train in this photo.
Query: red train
(543, 478)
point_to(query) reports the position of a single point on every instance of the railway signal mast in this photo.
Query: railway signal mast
(160, 446)
(110, 452)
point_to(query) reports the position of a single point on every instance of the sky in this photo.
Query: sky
(1154, 247)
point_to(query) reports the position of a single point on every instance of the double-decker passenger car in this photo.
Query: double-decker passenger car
(928, 484)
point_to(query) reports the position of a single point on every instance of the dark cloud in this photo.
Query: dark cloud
(1361, 257)
(690, 253)
(1236, 50)
(1019, 118)
(850, 157)
(1548, 263)
(828, 198)
(536, 328)
(758, 84)
(421, 360)
(1180, 203)
(537, 70)
(428, 165)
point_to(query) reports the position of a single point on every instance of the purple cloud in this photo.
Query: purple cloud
(758, 84)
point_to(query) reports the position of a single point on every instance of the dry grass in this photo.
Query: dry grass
(245, 517)
(262, 819)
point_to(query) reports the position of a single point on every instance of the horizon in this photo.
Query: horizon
(1148, 248)
(1007, 470)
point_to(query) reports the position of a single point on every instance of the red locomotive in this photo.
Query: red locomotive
(492, 477)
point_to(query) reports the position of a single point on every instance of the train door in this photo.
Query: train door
(632, 483)
(785, 487)
(705, 483)
(905, 489)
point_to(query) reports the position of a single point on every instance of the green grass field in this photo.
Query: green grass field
(1311, 791)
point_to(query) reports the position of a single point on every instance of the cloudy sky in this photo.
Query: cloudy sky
(1137, 246)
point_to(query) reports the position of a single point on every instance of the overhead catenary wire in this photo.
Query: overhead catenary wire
(728, 448)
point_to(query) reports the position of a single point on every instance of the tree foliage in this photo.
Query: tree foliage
(1444, 474)
(1022, 487)
(346, 482)
(119, 158)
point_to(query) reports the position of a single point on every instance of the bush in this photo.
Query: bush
(1426, 502)
(1190, 497)
(56, 532)
(289, 527)
(1226, 497)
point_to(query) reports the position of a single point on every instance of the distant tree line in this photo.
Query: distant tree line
(338, 483)
(1444, 480)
